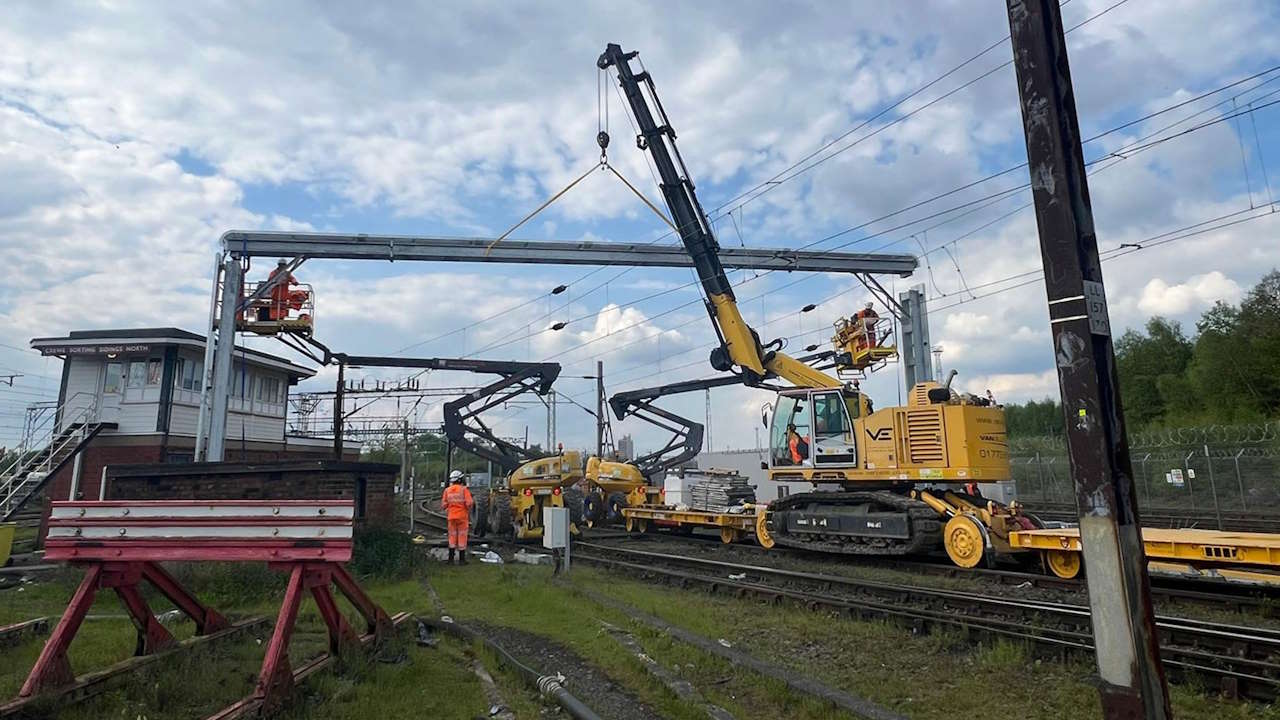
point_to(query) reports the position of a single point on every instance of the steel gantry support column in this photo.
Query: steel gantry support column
(915, 346)
(1124, 633)
(223, 347)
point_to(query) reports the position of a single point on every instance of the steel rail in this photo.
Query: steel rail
(1240, 658)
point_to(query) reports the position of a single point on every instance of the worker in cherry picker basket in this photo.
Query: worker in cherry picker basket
(457, 504)
(864, 327)
(283, 297)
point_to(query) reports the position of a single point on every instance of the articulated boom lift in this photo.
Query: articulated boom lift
(619, 484)
(513, 504)
(876, 457)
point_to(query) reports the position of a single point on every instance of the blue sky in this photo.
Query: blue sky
(134, 136)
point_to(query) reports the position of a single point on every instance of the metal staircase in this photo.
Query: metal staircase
(45, 449)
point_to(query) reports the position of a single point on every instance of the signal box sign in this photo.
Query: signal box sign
(94, 349)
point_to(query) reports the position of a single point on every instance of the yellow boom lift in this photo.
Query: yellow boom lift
(879, 458)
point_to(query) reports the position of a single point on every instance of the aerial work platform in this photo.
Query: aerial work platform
(1239, 556)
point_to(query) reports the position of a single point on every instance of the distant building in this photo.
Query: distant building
(142, 387)
(626, 448)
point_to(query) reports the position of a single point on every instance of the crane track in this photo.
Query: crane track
(1242, 660)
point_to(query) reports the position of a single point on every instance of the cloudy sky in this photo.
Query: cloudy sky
(132, 135)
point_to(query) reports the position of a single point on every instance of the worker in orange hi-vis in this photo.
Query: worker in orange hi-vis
(457, 504)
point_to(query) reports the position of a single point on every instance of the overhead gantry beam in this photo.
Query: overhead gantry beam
(244, 244)
(238, 245)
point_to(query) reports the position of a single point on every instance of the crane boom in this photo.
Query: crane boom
(739, 344)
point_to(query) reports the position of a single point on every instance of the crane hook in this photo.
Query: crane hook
(602, 139)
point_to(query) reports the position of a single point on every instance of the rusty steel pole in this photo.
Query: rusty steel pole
(1128, 654)
(601, 418)
(337, 410)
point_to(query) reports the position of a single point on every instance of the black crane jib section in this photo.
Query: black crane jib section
(686, 434)
(463, 425)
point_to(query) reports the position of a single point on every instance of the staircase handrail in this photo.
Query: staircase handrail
(29, 454)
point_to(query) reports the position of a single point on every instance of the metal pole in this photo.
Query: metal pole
(1239, 481)
(337, 410)
(1146, 476)
(1213, 486)
(404, 465)
(225, 345)
(1132, 682)
(1044, 496)
(75, 475)
(600, 417)
(206, 370)
(709, 446)
(1186, 469)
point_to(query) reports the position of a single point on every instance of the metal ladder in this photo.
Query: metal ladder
(45, 449)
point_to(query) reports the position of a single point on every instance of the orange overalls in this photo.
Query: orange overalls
(793, 445)
(457, 504)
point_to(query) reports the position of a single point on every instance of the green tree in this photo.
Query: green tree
(1228, 373)
(1236, 364)
(1146, 363)
(1034, 419)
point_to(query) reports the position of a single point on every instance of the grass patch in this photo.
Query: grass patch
(944, 675)
(935, 676)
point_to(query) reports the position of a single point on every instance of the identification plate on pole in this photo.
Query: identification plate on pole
(1095, 302)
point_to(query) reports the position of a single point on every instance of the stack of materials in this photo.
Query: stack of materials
(718, 490)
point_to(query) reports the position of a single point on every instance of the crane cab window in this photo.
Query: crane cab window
(791, 433)
(830, 418)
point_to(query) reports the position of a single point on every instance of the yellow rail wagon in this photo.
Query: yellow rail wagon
(732, 526)
(1235, 556)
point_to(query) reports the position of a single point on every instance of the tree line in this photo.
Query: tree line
(1226, 372)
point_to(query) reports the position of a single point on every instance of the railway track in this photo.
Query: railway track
(1241, 660)
(1166, 590)
(1169, 592)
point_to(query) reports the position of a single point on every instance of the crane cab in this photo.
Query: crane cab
(814, 428)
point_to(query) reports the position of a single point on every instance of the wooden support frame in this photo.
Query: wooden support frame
(120, 546)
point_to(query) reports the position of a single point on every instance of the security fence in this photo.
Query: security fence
(1206, 472)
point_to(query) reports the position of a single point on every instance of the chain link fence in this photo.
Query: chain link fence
(1226, 473)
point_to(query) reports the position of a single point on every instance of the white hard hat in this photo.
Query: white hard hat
(455, 476)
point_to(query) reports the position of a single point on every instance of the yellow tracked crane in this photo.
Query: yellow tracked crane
(880, 458)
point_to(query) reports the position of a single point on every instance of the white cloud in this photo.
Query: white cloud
(1197, 293)
(403, 114)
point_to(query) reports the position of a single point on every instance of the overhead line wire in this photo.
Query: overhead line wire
(825, 146)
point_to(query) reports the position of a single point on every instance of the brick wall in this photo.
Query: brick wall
(372, 485)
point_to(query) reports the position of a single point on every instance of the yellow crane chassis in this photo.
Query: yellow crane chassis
(1237, 556)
